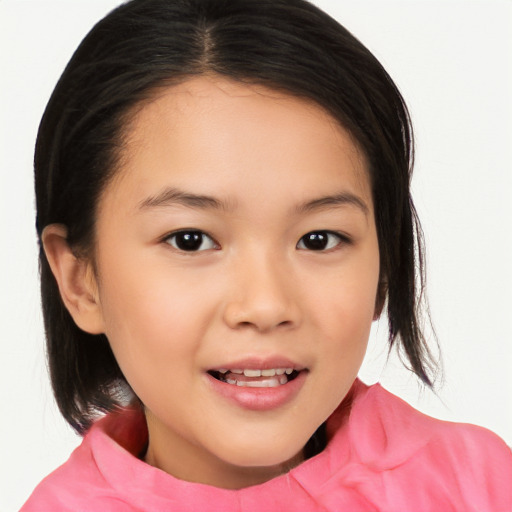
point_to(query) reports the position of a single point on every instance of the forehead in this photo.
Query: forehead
(234, 140)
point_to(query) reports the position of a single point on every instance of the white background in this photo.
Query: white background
(452, 61)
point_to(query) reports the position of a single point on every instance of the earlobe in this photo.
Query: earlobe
(75, 278)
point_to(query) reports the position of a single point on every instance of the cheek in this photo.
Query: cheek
(345, 307)
(345, 303)
(153, 316)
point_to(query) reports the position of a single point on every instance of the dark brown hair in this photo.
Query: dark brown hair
(288, 45)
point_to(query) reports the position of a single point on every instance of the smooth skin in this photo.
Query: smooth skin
(247, 172)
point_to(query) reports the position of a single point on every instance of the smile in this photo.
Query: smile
(255, 378)
(258, 384)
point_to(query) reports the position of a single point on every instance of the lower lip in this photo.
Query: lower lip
(259, 399)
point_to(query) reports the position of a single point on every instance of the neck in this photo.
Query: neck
(218, 473)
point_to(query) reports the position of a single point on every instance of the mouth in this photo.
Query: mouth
(254, 377)
(258, 384)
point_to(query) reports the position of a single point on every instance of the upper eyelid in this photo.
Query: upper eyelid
(186, 230)
(339, 234)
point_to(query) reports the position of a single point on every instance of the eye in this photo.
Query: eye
(191, 241)
(320, 241)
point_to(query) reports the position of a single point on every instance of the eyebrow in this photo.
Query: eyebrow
(171, 196)
(332, 201)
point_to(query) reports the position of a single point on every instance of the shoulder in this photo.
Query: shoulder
(475, 460)
(74, 486)
(403, 420)
(466, 464)
(82, 483)
(399, 422)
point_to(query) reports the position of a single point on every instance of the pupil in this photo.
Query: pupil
(316, 241)
(189, 241)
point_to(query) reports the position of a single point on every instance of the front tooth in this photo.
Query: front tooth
(280, 371)
(267, 383)
(252, 373)
(239, 372)
(289, 371)
(273, 383)
(268, 373)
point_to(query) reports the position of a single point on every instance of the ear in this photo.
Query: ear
(380, 299)
(75, 278)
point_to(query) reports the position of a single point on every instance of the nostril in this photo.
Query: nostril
(260, 313)
(262, 326)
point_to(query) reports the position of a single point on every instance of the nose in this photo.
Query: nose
(263, 295)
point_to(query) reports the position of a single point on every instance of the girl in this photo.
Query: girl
(223, 208)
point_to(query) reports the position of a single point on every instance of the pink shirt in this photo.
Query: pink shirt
(382, 456)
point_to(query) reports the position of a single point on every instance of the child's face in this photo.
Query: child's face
(258, 184)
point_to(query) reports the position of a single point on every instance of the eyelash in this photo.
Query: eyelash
(320, 235)
(192, 235)
(195, 236)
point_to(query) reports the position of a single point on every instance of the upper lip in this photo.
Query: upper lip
(255, 363)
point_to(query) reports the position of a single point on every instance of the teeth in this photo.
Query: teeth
(253, 373)
(272, 380)
(270, 372)
(272, 377)
(266, 383)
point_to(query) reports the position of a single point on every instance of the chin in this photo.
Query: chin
(271, 454)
